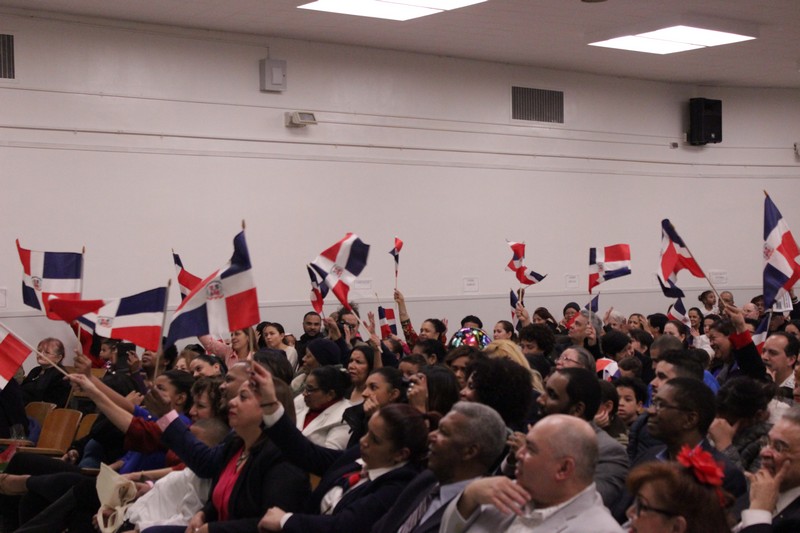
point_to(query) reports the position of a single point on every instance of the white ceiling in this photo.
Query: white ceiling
(543, 33)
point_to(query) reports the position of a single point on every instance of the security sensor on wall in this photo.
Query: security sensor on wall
(299, 119)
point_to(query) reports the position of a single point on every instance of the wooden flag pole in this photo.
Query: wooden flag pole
(161, 337)
(31, 348)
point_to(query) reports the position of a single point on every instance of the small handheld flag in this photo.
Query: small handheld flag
(47, 274)
(318, 292)
(186, 280)
(387, 321)
(522, 273)
(611, 262)
(781, 269)
(675, 256)
(398, 245)
(341, 264)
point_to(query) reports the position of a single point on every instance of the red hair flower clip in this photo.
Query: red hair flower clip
(702, 465)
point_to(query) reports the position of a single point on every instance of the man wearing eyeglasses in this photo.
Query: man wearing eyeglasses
(775, 488)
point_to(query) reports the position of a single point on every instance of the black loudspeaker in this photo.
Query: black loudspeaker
(705, 121)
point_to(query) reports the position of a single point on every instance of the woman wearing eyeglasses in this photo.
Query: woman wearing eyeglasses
(678, 497)
(321, 406)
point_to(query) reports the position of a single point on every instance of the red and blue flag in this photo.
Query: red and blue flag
(387, 321)
(341, 264)
(781, 269)
(675, 256)
(186, 280)
(611, 262)
(47, 274)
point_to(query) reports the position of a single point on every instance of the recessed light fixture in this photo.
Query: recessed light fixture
(391, 10)
(672, 39)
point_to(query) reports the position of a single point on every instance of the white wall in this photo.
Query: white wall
(132, 140)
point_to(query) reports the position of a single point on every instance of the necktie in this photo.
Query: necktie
(416, 515)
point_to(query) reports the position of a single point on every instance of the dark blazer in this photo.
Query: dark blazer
(45, 385)
(266, 480)
(786, 521)
(360, 507)
(414, 493)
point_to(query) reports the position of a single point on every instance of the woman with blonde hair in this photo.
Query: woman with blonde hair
(507, 349)
(241, 347)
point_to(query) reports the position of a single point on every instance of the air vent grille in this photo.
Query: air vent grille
(539, 105)
(6, 56)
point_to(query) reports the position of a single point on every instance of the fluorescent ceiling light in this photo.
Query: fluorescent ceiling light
(371, 8)
(671, 40)
(650, 46)
(388, 9)
(699, 36)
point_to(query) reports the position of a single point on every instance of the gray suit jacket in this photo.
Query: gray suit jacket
(584, 514)
(612, 467)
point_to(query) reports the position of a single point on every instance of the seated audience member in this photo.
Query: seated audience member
(312, 329)
(361, 363)
(504, 330)
(576, 392)
(543, 317)
(779, 355)
(733, 347)
(185, 357)
(319, 352)
(568, 313)
(726, 298)
(632, 395)
(537, 342)
(457, 360)
(616, 345)
(412, 364)
(677, 329)
(680, 415)
(630, 367)
(250, 474)
(576, 357)
(320, 408)
(44, 383)
(433, 350)
(240, 347)
(697, 330)
(607, 418)
(275, 339)
(679, 497)
(793, 329)
(554, 489)
(585, 332)
(471, 321)
(709, 303)
(207, 365)
(672, 364)
(485, 377)
(775, 487)
(432, 328)
(636, 321)
(351, 496)
(434, 389)
(615, 321)
(742, 422)
(467, 444)
(385, 385)
(656, 323)
(509, 350)
(13, 420)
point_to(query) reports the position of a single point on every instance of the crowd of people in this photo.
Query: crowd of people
(591, 422)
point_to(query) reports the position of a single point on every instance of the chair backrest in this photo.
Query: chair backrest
(86, 425)
(58, 430)
(39, 410)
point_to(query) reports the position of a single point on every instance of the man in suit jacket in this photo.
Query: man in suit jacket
(554, 489)
(775, 488)
(576, 392)
(467, 444)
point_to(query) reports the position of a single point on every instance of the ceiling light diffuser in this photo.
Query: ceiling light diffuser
(672, 39)
(635, 43)
(371, 8)
(444, 5)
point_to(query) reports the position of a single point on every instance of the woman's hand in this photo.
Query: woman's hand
(522, 314)
(134, 364)
(272, 520)
(84, 384)
(418, 392)
(264, 388)
(135, 397)
(82, 364)
(332, 328)
(157, 402)
(197, 524)
(370, 406)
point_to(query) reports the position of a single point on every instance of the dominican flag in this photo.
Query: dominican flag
(13, 353)
(611, 262)
(387, 322)
(223, 302)
(186, 281)
(514, 300)
(529, 277)
(47, 274)
(340, 265)
(137, 319)
(674, 258)
(398, 245)
(318, 292)
(678, 312)
(524, 276)
(593, 305)
(781, 269)
(761, 332)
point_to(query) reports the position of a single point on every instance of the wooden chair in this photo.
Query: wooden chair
(58, 432)
(39, 410)
(86, 425)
